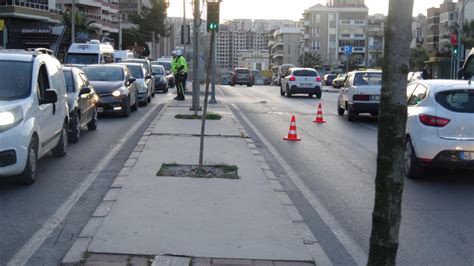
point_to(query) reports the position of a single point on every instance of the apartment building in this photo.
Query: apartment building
(254, 59)
(418, 31)
(284, 46)
(29, 24)
(104, 13)
(129, 7)
(327, 29)
(375, 39)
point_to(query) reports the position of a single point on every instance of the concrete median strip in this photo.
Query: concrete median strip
(200, 218)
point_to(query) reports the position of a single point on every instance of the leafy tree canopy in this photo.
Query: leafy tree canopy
(310, 59)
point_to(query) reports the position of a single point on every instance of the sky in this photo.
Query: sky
(284, 9)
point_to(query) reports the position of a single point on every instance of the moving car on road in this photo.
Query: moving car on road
(328, 78)
(92, 52)
(115, 86)
(301, 80)
(242, 76)
(339, 80)
(148, 72)
(33, 111)
(161, 82)
(82, 102)
(360, 94)
(143, 82)
(440, 132)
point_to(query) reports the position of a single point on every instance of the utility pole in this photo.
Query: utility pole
(213, 68)
(196, 86)
(120, 30)
(73, 21)
(184, 28)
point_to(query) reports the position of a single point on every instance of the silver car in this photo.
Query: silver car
(301, 80)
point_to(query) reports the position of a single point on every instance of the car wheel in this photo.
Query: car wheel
(165, 90)
(282, 93)
(28, 176)
(374, 114)
(149, 99)
(92, 125)
(61, 148)
(310, 95)
(318, 95)
(351, 115)
(134, 107)
(288, 93)
(340, 110)
(75, 128)
(413, 168)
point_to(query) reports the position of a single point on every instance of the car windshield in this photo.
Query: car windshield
(364, 79)
(84, 59)
(137, 71)
(158, 70)
(69, 81)
(166, 65)
(15, 77)
(104, 73)
(461, 101)
(305, 73)
(242, 71)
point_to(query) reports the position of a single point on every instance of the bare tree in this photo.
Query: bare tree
(391, 172)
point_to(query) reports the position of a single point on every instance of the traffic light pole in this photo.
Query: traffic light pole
(213, 71)
(196, 86)
(206, 96)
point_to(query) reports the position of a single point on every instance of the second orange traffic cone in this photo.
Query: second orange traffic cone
(292, 136)
(319, 116)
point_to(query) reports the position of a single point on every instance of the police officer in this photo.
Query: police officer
(179, 68)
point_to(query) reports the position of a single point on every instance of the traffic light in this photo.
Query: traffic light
(213, 16)
(455, 50)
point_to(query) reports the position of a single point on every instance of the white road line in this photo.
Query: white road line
(355, 251)
(35, 242)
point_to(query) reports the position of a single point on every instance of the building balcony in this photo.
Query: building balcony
(305, 36)
(29, 10)
(306, 23)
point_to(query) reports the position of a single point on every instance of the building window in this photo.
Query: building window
(318, 18)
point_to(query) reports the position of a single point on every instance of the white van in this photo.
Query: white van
(34, 113)
(120, 55)
(92, 52)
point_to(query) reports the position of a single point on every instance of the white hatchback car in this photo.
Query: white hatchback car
(34, 113)
(301, 80)
(440, 128)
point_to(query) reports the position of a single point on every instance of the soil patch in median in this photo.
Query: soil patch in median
(207, 171)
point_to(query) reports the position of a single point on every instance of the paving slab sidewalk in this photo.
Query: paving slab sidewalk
(242, 219)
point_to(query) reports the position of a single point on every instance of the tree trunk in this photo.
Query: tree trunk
(391, 172)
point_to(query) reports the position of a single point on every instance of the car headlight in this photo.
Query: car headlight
(119, 92)
(10, 118)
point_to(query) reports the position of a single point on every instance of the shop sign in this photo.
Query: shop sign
(37, 31)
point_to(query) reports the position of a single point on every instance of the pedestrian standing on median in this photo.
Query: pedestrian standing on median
(179, 68)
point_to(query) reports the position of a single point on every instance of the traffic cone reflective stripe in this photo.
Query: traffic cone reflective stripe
(292, 136)
(319, 116)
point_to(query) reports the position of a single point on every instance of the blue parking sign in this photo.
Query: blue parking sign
(348, 49)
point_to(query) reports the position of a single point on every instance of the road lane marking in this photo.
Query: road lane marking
(38, 238)
(354, 250)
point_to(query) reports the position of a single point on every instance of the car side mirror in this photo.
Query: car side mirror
(85, 90)
(148, 77)
(50, 96)
(131, 80)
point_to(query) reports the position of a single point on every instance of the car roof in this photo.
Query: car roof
(105, 65)
(18, 54)
(436, 85)
(302, 68)
(130, 64)
(367, 71)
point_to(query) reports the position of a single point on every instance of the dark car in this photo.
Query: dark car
(161, 82)
(147, 65)
(143, 82)
(115, 86)
(167, 66)
(82, 101)
(328, 78)
(242, 76)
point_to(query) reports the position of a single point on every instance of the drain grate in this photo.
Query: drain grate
(208, 171)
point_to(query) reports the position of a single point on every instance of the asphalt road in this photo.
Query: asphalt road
(26, 211)
(337, 162)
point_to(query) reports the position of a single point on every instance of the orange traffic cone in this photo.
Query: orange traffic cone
(292, 136)
(319, 116)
